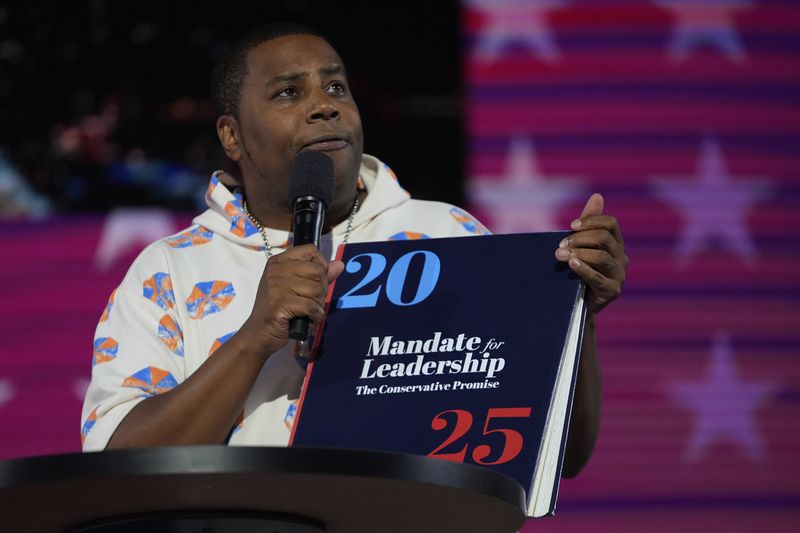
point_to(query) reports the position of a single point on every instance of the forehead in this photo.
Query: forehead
(290, 53)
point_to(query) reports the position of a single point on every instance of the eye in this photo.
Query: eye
(287, 92)
(337, 87)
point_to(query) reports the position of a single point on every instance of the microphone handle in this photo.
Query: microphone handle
(309, 214)
(298, 328)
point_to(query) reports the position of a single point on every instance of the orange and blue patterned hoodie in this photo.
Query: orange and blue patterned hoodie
(187, 294)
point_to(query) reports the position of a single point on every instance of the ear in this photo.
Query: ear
(229, 137)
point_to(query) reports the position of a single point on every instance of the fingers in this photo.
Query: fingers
(601, 289)
(594, 239)
(292, 280)
(294, 284)
(298, 306)
(306, 252)
(291, 297)
(600, 261)
(595, 251)
(588, 273)
(610, 264)
(306, 263)
(599, 222)
(298, 269)
(603, 274)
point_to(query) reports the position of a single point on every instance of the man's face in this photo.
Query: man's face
(295, 97)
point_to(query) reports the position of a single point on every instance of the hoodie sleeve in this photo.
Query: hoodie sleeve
(138, 349)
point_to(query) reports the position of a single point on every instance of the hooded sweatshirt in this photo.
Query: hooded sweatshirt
(187, 294)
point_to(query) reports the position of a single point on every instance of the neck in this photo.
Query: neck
(338, 214)
(275, 218)
(281, 219)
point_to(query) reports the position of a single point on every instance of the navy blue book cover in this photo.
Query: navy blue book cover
(442, 347)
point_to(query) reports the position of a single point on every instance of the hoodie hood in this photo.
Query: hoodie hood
(226, 217)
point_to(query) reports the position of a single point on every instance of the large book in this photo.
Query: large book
(465, 349)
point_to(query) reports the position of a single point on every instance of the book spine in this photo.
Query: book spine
(314, 348)
(567, 419)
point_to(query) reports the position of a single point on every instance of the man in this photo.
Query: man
(193, 347)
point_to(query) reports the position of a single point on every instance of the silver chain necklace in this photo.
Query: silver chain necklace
(268, 246)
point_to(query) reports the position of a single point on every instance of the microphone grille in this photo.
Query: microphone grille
(312, 175)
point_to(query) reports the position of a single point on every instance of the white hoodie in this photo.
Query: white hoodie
(187, 294)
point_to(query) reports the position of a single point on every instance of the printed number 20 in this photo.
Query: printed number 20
(511, 447)
(395, 281)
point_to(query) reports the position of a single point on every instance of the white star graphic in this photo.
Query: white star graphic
(723, 405)
(516, 22)
(709, 22)
(524, 200)
(125, 229)
(713, 205)
(7, 391)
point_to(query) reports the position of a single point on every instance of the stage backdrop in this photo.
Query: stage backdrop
(685, 115)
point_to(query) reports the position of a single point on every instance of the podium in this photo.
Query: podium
(237, 489)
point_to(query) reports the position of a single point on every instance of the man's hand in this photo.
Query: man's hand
(294, 284)
(595, 251)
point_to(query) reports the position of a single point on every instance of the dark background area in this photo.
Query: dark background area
(105, 103)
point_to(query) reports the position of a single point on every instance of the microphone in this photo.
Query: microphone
(311, 184)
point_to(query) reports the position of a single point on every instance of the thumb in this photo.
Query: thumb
(594, 205)
(334, 269)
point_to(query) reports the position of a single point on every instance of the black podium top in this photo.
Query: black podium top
(341, 491)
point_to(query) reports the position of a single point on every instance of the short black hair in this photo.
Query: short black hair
(228, 75)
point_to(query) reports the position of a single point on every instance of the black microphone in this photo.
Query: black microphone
(310, 191)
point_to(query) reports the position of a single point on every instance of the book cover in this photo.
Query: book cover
(463, 349)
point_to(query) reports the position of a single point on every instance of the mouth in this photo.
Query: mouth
(328, 143)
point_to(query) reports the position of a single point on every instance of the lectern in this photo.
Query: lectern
(254, 489)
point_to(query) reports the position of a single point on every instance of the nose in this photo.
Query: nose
(322, 108)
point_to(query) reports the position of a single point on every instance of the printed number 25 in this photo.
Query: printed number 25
(511, 447)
